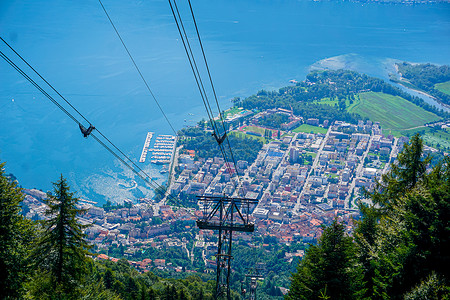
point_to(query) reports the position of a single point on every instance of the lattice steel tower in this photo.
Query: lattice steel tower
(224, 214)
(254, 274)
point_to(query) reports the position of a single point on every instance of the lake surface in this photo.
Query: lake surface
(250, 45)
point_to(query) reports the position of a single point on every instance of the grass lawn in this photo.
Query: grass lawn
(312, 154)
(443, 87)
(326, 101)
(310, 128)
(356, 102)
(242, 135)
(393, 112)
(254, 129)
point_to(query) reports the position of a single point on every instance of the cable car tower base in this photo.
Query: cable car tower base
(225, 215)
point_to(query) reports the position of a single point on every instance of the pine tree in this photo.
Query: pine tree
(108, 279)
(409, 169)
(15, 239)
(329, 267)
(405, 237)
(62, 248)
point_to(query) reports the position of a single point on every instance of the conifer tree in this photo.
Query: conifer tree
(404, 238)
(328, 269)
(15, 239)
(62, 248)
(409, 169)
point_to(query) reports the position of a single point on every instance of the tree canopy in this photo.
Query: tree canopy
(425, 76)
(62, 248)
(16, 239)
(329, 268)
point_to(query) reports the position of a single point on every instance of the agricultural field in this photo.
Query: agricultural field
(443, 87)
(310, 128)
(394, 113)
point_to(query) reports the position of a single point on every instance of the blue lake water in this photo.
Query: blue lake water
(250, 45)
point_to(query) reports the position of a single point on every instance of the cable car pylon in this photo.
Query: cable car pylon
(254, 274)
(225, 214)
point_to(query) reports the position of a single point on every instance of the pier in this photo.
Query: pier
(148, 139)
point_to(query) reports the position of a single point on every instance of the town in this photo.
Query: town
(303, 178)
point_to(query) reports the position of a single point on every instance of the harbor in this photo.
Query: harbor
(162, 150)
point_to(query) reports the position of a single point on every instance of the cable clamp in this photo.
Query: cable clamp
(86, 132)
(221, 139)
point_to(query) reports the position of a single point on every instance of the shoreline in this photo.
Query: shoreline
(401, 81)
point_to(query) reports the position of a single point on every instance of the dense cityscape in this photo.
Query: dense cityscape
(308, 157)
(302, 179)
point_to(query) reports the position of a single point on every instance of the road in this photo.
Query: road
(314, 165)
(393, 152)
(358, 173)
(285, 157)
(171, 178)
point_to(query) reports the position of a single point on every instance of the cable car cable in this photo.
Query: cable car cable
(198, 80)
(137, 68)
(205, 101)
(211, 81)
(151, 182)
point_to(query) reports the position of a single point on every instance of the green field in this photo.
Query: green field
(243, 134)
(312, 154)
(309, 128)
(443, 87)
(393, 112)
(254, 129)
(326, 101)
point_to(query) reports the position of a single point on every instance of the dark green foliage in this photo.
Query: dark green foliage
(425, 76)
(62, 248)
(108, 206)
(330, 268)
(404, 175)
(433, 288)
(205, 145)
(404, 238)
(130, 284)
(274, 121)
(16, 238)
(339, 84)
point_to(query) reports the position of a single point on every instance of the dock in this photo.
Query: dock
(148, 139)
(163, 149)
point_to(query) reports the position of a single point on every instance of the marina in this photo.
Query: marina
(148, 139)
(163, 149)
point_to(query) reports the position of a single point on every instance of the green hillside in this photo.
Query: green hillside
(393, 112)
